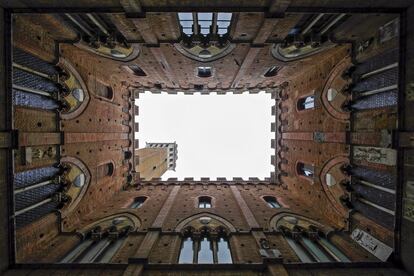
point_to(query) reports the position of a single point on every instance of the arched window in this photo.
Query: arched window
(309, 242)
(271, 201)
(201, 248)
(101, 243)
(204, 72)
(306, 103)
(104, 91)
(305, 170)
(204, 202)
(272, 71)
(138, 202)
(106, 169)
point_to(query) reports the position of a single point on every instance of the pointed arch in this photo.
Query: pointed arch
(185, 222)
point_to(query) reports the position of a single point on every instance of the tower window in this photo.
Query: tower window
(204, 202)
(204, 72)
(138, 201)
(137, 70)
(272, 71)
(306, 103)
(305, 170)
(105, 170)
(271, 202)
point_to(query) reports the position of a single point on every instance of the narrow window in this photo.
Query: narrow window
(104, 91)
(306, 103)
(186, 253)
(318, 249)
(138, 201)
(272, 71)
(272, 201)
(305, 170)
(90, 251)
(204, 202)
(105, 170)
(205, 253)
(223, 252)
(137, 70)
(204, 72)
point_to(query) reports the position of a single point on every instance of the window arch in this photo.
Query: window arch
(272, 201)
(305, 170)
(309, 241)
(306, 103)
(204, 202)
(138, 202)
(102, 241)
(106, 169)
(205, 246)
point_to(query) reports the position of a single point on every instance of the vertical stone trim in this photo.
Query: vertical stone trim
(134, 270)
(159, 220)
(152, 235)
(144, 249)
(247, 213)
(277, 270)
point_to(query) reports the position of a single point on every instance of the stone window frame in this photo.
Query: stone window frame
(197, 201)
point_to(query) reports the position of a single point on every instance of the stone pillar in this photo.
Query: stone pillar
(153, 233)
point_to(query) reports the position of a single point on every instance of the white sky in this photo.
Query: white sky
(217, 135)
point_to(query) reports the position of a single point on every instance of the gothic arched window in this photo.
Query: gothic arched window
(206, 246)
(309, 242)
(204, 202)
(101, 243)
(306, 103)
(138, 202)
(271, 201)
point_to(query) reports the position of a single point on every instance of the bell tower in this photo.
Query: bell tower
(155, 159)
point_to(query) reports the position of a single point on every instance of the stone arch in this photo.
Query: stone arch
(129, 220)
(79, 165)
(219, 220)
(275, 221)
(77, 91)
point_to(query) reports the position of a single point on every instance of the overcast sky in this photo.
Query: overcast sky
(217, 135)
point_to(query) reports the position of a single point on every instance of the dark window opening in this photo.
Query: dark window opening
(306, 103)
(204, 72)
(272, 71)
(204, 202)
(137, 70)
(271, 202)
(138, 201)
(305, 170)
(105, 170)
